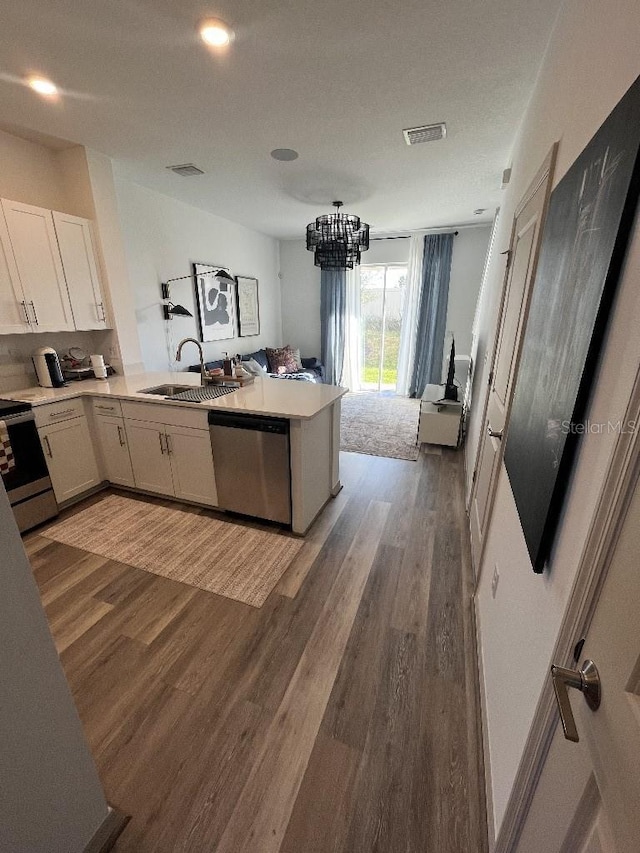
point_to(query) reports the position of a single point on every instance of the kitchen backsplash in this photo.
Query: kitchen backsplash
(16, 367)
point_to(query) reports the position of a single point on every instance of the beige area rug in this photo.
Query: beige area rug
(380, 425)
(218, 556)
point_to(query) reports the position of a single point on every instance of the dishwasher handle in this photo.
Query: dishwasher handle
(257, 423)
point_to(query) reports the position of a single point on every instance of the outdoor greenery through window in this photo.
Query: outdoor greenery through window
(382, 292)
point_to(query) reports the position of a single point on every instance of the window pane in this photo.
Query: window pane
(371, 299)
(381, 317)
(394, 301)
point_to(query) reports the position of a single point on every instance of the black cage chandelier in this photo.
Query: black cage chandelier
(337, 239)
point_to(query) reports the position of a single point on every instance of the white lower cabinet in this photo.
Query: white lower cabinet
(149, 458)
(172, 460)
(70, 457)
(192, 465)
(114, 450)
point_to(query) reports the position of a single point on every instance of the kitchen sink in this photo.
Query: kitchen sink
(190, 393)
(165, 390)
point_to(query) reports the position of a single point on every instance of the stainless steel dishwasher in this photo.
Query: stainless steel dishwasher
(251, 461)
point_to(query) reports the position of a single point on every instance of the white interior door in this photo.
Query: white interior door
(588, 796)
(521, 267)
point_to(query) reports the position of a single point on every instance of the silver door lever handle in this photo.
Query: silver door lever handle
(494, 433)
(587, 681)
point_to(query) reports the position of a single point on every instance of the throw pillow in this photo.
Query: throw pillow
(281, 360)
(296, 355)
(253, 367)
(260, 356)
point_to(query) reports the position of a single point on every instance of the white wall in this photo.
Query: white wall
(300, 281)
(467, 264)
(51, 795)
(387, 251)
(162, 238)
(578, 86)
(30, 173)
(301, 285)
(120, 297)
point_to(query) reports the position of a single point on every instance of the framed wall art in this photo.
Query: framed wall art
(248, 306)
(216, 300)
(585, 236)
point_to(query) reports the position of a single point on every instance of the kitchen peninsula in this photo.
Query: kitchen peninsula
(116, 432)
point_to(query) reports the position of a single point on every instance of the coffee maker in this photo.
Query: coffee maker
(48, 370)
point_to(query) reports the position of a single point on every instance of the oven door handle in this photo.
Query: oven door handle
(22, 418)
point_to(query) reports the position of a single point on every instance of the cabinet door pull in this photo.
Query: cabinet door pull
(102, 316)
(35, 315)
(121, 437)
(167, 439)
(26, 312)
(161, 444)
(46, 441)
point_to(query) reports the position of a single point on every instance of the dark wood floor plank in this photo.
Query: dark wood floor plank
(294, 577)
(381, 808)
(354, 693)
(319, 824)
(410, 608)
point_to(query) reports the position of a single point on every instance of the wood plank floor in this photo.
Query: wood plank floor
(341, 717)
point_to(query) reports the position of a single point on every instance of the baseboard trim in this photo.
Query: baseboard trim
(108, 832)
(484, 728)
(104, 484)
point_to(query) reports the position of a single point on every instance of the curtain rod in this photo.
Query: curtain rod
(445, 229)
(408, 236)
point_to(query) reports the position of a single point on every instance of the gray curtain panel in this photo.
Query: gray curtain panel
(333, 307)
(432, 314)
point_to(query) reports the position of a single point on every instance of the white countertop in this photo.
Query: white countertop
(282, 398)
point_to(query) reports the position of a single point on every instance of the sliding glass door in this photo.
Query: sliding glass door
(382, 291)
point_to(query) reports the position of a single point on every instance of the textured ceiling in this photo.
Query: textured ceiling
(336, 81)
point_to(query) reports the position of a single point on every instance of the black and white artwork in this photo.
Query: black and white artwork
(216, 304)
(248, 306)
(584, 240)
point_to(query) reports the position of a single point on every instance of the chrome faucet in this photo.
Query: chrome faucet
(203, 372)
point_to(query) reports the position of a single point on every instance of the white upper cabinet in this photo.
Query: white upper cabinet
(13, 307)
(39, 268)
(49, 280)
(76, 245)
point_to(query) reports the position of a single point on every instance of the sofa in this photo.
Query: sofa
(312, 369)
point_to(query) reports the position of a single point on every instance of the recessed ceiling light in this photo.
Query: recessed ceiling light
(216, 33)
(284, 154)
(43, 86)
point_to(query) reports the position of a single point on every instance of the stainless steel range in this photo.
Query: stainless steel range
(23, 466)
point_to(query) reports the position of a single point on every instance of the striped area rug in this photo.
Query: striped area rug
(219, 556)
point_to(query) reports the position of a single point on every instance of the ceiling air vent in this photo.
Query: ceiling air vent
(186, 170)
(426, 133)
